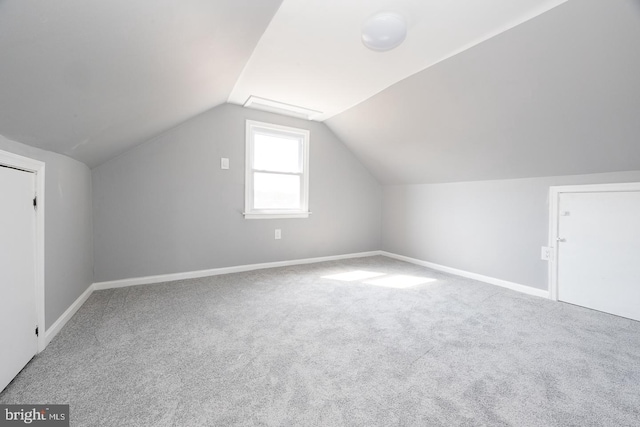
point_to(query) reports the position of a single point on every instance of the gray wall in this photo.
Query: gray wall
(68, 227)
(167, 207)
(494, 228)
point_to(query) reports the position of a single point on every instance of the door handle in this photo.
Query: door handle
(561, 240)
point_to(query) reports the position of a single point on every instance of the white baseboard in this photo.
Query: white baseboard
(52, 331)
(148, 280)
(491, 280)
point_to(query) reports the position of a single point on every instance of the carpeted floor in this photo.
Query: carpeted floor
(290, 347)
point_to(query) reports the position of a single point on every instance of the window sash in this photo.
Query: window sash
(300, 147)
(300, 135)
(300, 191)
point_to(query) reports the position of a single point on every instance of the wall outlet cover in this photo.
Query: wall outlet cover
(546, 253)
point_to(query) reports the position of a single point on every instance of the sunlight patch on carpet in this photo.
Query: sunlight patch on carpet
(397, 281)
(352, 276)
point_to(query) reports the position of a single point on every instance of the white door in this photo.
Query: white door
(599, 251)
(17, 273)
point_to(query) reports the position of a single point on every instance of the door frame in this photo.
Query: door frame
(38, 168)
(554, 217)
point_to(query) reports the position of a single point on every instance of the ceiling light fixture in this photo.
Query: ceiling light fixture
(281, 108)
(384, 31)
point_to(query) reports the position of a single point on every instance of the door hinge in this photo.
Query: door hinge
(37, 334)
(35, 203)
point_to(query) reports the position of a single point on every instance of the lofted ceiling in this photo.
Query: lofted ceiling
(92, 79)
(478, 90)
(311, 55)
(557, 95)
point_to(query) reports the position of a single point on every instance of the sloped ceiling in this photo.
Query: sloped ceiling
(557, 95)
(479, 90)
(91, 79)
(311, 55)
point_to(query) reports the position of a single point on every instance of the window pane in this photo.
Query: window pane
(275, 191)
(277, 154)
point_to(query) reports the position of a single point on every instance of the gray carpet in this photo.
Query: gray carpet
(287, 347)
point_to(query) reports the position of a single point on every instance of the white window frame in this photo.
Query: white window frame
(251, 213)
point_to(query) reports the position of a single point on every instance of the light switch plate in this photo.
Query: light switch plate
(224, 163)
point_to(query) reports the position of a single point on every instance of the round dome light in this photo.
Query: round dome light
(384, 31)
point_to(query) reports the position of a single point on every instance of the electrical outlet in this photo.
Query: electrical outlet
(224, 163)
(278, 234)
(546, 253)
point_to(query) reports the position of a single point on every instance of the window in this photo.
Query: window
(277, 171)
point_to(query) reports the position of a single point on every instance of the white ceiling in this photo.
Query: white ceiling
(311, 54)
(94, 79)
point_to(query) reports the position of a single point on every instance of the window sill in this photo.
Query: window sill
(275, 215)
